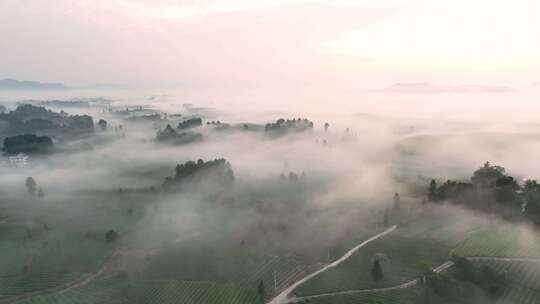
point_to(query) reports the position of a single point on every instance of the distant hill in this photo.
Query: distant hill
(12, 84)
(422, 87)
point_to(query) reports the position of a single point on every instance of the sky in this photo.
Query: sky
(212, 43)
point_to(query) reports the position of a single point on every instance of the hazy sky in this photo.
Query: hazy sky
(368, 43)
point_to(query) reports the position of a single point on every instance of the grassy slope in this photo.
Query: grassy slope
(504, 240)
(115, 291)
(408, 250)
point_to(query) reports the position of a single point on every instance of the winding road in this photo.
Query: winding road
(283, 297)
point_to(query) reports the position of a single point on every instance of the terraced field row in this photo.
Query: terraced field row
(113, 291)
(506, 241)
(519, 295)
(522, 273)
(404, 254)
(523, 280)
(522, 287)
(279, 273)
(50, 259)
(35, 282)
(399, 296)
(105, 291)
(171, 292)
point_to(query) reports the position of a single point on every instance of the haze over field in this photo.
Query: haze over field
(250, 152)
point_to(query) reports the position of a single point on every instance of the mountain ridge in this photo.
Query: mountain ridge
(12, 84)
(424, 87)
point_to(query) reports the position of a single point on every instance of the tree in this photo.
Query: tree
(293, 177)
(531, 195)
(376, 271)
(111, 236)
(31, 185)
(464, 269)
(169, 135)
(261, 292)
(102, 124)
(41, 194)
(432, 192)
(190, 123)
(483, 276)
(397, 201)
(506, 190)
(27, 143)
(219, 172)
(490, 281)
(81, 123)
(425, 268)
(487, 175)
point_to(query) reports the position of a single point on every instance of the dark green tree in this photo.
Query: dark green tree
(432, 192)
(531, 195)
(31, 185)
(41, 194)
(190, 123)
(261, 292)
(397, 201)
(111, 236)
(506, 191)
(464, 269)
(490, 281)
(376, 271)
(487, 175)
(102, 123)
(27, 143)
(293, 177)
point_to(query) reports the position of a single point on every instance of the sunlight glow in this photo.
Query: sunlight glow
(478, 34)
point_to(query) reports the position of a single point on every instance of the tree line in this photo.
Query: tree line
(491, 189)
(218, 171)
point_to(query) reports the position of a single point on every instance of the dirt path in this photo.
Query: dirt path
(283, 297)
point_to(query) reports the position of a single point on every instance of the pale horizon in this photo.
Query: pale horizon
(365, 44)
